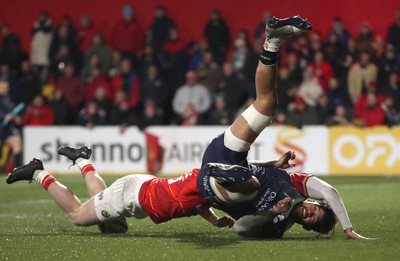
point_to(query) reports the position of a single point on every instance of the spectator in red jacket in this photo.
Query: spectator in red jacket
(72, 88)
(97, 81)
(85, 33)
(128, 82)
(39, 113)
(322, 70)
(172, 60)
(127, 37)
(372, 114)
(362, 102)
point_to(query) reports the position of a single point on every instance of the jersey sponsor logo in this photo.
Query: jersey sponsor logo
(207, 187)
(278, 218)
(271, 196)
(106, 213)
(263, 204)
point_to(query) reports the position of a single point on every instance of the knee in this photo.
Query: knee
(267, 105)
(77, 218)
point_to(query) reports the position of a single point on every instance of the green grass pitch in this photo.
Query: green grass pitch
(33, 228)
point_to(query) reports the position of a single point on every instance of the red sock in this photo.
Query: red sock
(47, 180)
(44, 178)
(87, 168)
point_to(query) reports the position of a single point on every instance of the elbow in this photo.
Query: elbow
(77, 219)
(331, 193)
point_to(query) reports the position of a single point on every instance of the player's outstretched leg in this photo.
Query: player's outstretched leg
(258, 116)
(81, 157)
(80, 214)
(246, 128)
(94, 183)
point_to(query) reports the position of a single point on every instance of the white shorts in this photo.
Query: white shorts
(121, 198)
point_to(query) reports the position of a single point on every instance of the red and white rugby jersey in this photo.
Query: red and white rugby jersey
(299, 180)
(167, 198)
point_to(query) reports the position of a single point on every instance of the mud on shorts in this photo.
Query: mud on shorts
(121, 198)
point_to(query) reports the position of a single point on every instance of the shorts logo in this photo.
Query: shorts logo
(105, 213)
(278, 218)
(101, 195)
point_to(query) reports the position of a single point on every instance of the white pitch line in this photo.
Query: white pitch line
(365, 186)
(29, 216)
(34, 201)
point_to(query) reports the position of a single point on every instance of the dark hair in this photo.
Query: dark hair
(337, 19)
(327, 224)
(160, 7)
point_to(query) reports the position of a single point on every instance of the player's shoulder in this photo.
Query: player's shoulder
(299, 175)
(299, 180)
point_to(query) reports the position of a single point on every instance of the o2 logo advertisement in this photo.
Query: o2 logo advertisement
(369, 151)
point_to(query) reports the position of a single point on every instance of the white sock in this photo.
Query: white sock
(81, 162)
(272, 44)
(39, 175)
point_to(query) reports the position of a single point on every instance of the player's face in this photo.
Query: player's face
(309, 214)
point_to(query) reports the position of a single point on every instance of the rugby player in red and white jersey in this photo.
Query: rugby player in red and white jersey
(254, 193)
(134, 195)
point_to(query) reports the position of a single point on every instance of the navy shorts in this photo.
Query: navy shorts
(216, 152)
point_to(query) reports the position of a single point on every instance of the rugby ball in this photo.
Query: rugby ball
(118, 225)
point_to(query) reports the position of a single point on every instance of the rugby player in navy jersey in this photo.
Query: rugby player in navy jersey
(257, 194)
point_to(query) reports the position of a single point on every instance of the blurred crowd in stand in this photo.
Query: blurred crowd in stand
(149, 76)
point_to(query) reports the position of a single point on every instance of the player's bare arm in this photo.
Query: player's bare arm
(283, 162)
(351, 234)
(213, 219)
